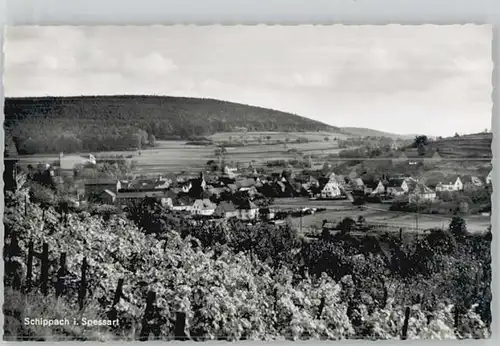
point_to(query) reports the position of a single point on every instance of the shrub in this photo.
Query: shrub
(458, 226)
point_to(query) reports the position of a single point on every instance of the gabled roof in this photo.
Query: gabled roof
(421, 189)
(372, 184)
(183, 201)
(331, 184)
(451, 179)
(395, 182)
(247, 205)
(205, 204)
(358, 182)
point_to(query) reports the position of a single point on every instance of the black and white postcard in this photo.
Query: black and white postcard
(247, 182)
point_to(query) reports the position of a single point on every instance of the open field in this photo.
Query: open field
(275, 136)
(376, 214)
(177, 156)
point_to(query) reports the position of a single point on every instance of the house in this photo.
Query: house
(203, 207)
(339, 179)
(247, 210)
(182, 204)
(421, 193)
(397, 187)
(331, 190)
(164, 197)
(397, 192)
(453, 183)
(230, 171)
(374, 187)
(226, 210)
(411, 182)
(162, 183)
(95, 187)
(489, 178)
(357, 184)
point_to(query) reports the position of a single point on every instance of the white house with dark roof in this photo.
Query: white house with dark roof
(453, 183)
(203, 207)
(247, 211)
(397, 187)
(421, 193)
(489, 178)
(331, 190)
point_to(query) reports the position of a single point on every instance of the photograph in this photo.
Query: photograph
(236, 183)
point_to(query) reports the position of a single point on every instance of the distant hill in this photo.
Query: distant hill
(93, 123)
(365, 132)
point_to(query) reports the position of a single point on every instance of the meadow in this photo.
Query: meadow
(377, 214)
(178, 156)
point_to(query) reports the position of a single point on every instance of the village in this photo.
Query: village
(258, 194)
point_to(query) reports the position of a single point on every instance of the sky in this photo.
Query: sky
(422, 79)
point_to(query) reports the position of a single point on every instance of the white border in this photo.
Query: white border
(148, 12)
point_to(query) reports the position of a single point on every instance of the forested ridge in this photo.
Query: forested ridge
(93, 123)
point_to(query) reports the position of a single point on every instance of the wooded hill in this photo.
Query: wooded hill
(93, 123)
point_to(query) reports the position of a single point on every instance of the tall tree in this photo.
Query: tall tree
(420, 140)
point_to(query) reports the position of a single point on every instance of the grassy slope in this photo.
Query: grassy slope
(364, 132)
(162, 116)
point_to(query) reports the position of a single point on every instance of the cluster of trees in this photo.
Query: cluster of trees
(444, 261)
(53, 135)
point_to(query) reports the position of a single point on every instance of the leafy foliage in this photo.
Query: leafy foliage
(229, 290)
